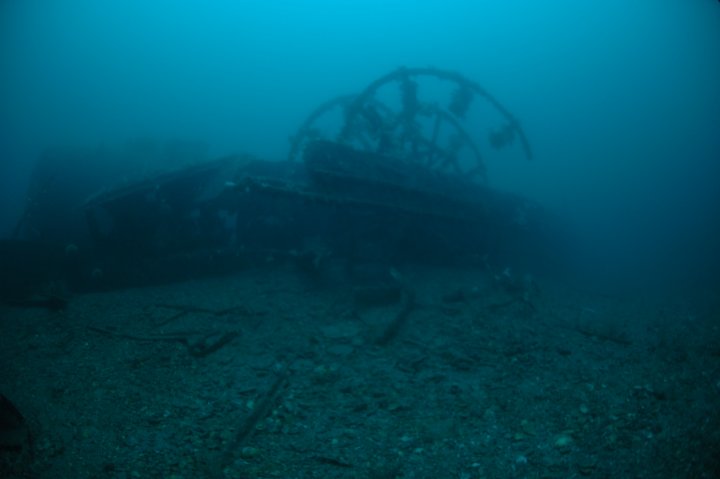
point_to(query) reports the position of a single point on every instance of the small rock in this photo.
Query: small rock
(248, 452)
(563, 441)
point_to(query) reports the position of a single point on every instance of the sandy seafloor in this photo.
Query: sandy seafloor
(267, 374)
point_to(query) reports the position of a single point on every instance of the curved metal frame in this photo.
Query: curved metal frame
(378, 128)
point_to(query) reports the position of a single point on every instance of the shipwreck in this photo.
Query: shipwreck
(393, 174)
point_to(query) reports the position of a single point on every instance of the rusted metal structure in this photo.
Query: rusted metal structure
(410, 127)
(399, 177)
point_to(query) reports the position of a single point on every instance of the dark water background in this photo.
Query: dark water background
(620, 99)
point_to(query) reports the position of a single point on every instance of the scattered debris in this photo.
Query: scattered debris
(470, 393)
(51, 303)
(245, 430)
(392, 329)
(198, 343)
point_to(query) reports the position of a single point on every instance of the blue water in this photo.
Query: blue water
(620, 99)
(499, 370)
